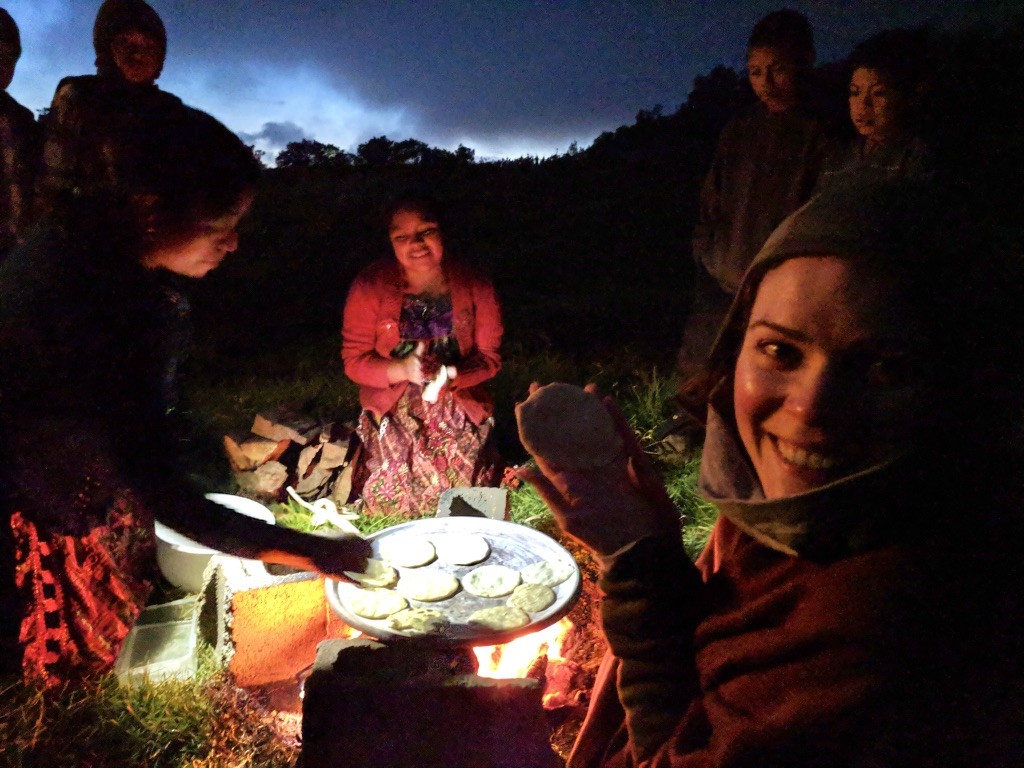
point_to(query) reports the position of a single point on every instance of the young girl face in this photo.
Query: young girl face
(825, 381)
(138, 56)
(416, 242)
(875, 106)
(774, 77)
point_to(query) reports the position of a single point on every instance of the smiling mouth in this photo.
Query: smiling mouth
(805, 459)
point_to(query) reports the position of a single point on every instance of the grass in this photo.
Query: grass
(207, 722)
(201, 723)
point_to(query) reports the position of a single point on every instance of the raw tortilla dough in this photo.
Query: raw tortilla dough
(377, 574)
(428, 586)
(462, 548)
(372, 603)
(418, 621)
(499, 617)
(532, 597)
(568, 427)
(550, 573)
(407, 551)
(491, 581)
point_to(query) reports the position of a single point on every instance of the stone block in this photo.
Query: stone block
(265, 627)
(474, 502)
(406, 705)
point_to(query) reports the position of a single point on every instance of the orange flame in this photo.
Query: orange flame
(514, 659)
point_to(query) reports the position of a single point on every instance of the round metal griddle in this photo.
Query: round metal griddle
(512, 545)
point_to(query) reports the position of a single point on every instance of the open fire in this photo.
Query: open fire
(536, 655)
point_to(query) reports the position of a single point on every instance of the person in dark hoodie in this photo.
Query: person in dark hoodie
(18, 144)
(764, 167)
(94, 118)
(90, 308)
(859, 600)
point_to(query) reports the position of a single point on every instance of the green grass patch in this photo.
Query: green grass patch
(204, 722)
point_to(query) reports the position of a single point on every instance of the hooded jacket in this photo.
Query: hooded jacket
(94, 119)
(862, 623)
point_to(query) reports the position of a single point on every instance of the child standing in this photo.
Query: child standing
(764, 167)
(94, 118)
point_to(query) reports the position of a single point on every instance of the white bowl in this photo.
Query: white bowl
(182, 560)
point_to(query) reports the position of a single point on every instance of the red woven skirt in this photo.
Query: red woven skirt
(80, 596)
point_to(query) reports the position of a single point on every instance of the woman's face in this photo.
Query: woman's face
(875, 106)
(825, 381)
(204, 249)
(773, 77)
(138, 56)
(416, 241)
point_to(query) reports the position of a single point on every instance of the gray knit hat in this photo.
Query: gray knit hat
(864, 219)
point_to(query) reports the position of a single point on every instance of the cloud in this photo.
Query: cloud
(279, 103)
(273, 137)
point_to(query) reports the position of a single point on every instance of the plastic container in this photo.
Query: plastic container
(162, 644)
(183, 561)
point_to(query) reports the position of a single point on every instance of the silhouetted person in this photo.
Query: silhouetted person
(764, 167)
(18, 143)
(94, 118)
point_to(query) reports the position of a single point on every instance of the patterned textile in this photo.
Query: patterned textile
(80, 596)
(419, 450)
(18, 157)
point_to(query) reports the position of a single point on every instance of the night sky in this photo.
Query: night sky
(505, 78)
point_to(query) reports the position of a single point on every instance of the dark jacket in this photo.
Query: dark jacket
(93, 122)
(19, 148)
(764, 168)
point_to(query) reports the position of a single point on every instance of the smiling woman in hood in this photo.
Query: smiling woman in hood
(858, 601)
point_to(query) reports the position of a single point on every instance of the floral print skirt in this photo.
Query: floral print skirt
(419, 450)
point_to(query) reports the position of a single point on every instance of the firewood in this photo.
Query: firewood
(306, 457)
(334, 455)
(236, 456)
(262, 451)
(267, 481)
(310, 487)
(298, 430)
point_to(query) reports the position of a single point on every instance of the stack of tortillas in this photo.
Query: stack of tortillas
(567, 427)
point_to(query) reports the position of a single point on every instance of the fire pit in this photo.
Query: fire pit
(460, 695)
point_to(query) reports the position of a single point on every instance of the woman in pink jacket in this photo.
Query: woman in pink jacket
(420, 337)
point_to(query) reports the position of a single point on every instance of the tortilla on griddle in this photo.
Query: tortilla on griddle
(462, 548)
(372, 603)
(377, 574)
(407, 551)
(550, 573)
(429, 586)
(499, 618)
(532, 597)
(491, 581)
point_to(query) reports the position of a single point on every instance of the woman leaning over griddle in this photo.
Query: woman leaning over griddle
(92, 312)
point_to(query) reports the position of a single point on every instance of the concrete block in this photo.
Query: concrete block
(475, 502)
(264, 627)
